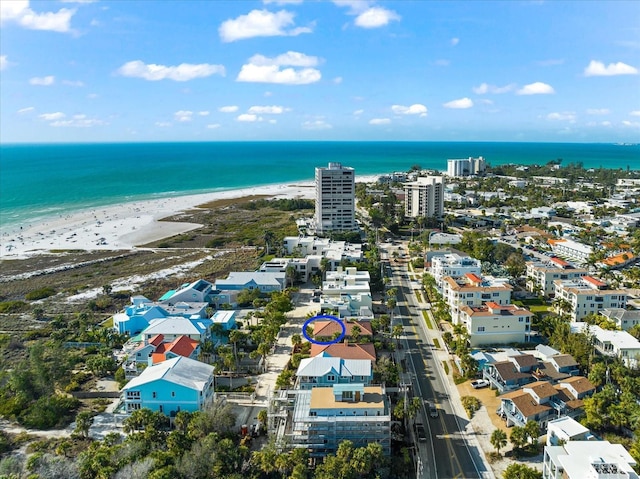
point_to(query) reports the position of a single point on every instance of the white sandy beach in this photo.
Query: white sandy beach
(125, 226)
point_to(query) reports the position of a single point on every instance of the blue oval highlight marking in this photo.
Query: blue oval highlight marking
(330, 318)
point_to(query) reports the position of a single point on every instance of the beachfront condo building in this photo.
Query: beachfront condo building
(466, 167)
(586, 295)
(335, 200)
(424, 197)
(474, 290)
(541, 275)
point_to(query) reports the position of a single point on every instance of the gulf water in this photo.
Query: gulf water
(46, 180)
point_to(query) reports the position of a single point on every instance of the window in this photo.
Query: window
(133, 394)
(154, 394)
(331, 378)
(521, 319)
(173, 394)
(495, 295)
(313, 414)
(480, 328)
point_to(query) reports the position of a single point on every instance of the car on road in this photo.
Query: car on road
(479, 384)
(433, 410)
(420, 432)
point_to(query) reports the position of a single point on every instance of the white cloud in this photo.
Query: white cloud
(379, 121)
(163, 124)
(632, 124)
(635, 113)
(79, 121)
(316, 125)
(605, 123)
(182, 72)
(213, 126)
(183, 116)
(247, 117)
(28, 109)
(358, 112)
(260, 23)
(569, 116)
(537, 88)
(459, 104)
(484, 88)
(228, 109)
(20, 12)
(376, 17)
(4, 63)
(355, 6)
(282, 2)
(596, 68)
(92, 96)
(52, 116)
(443, 63)
(76, 83)
(273, 74)
(42, 81)
(267, 94)
(337, 80)
(415, 109)
(598, 111)
(455, 41)
(293, 59)
(268, 110)
(485, 101)
(203, 113)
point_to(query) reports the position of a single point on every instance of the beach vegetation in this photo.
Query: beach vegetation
(13, 306)
(40, 293)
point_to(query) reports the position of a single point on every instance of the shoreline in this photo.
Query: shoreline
(126, 226)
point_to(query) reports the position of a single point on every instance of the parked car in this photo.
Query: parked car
(479, 384)
(420, 433)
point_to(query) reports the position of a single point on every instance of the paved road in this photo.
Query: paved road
(447, 453)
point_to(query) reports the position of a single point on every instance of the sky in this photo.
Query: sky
(216, 70)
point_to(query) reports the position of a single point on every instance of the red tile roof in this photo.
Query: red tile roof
(560, 262)
(346, 351)
(183, 346)
(594, 281)
(157, 339)
(474, 278)
(329, 328)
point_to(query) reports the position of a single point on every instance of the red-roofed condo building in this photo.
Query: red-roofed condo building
(473, 290)
(588, 295)
(540, 276)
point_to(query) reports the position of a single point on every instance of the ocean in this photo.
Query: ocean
(43, 180)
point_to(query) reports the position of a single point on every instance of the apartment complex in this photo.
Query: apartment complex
(588, 459)
(495, 323)
(466, 167)
(541, 275)
(335, 199)
(424, 197)
(588, 295)
(473, 290)
(572, 250)
(454, 265)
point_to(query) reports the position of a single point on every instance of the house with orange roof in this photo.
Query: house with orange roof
(346, 350)
(474, 290)
(326, 330)
(618, 261)
(541, 275)
(181, 346)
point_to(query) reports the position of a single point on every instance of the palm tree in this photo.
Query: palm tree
(498, 440)
(268, 237)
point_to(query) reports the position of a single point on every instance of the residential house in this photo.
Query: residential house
(137, 317)
(197, 292)
(618, 261)
(565, 429)
(346, 350)
(325, 371)
(357, 305)
(622, 318)
(305, 267)
(333, 251)
(346, 281)
(512, 373)
(588, 295)
(262, 281)
(454, 265)
(494, 323)
(323, 417)
(619, 344)
(172, 327)
(326, 330)
(474, 290)
(541, 275)
(542, 402)
(178, 384)
(588, 460)
(225, 318)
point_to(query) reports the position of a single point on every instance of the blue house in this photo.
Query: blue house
(264, 282)
(172, 327)
(325, 371)
(178, 384)
(137, 317)
(227, 319)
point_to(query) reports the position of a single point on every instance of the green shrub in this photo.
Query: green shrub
(13, 306)
(471, 404)
(40, 293)
(49, 412)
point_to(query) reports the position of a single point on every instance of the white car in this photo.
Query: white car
(479, 384)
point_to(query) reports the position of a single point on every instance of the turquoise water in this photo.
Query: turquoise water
(44, 180)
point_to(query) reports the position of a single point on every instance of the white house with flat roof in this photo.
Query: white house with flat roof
(572, 250)
(346, 281)
(263, 281)
(588, 460)
(565, 429)
(541, 275)
(454, 265)
(618, 344)
(494, 323)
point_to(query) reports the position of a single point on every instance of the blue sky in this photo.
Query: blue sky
(78, 71)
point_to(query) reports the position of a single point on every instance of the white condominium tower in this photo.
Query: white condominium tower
(466, 167)
(424, 197)
(335, 199)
